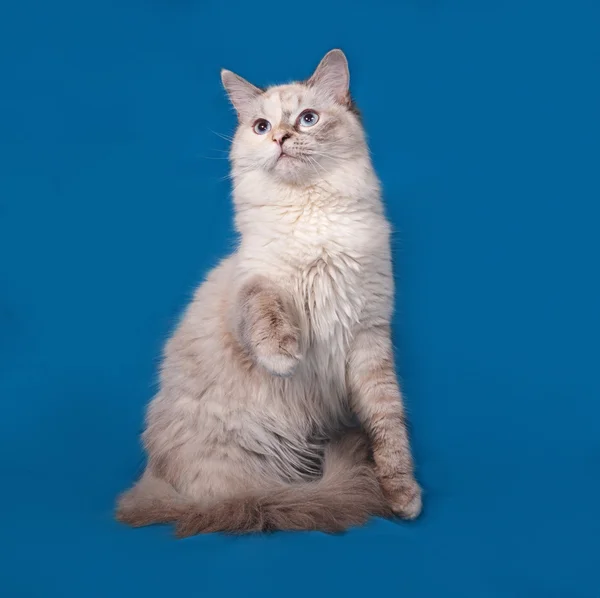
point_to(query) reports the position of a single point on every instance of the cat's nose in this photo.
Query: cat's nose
(280, 136)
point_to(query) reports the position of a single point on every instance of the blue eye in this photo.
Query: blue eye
(261, 126)
(308, 118)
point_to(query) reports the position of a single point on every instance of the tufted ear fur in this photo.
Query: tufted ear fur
(241, 92)
(332, 76)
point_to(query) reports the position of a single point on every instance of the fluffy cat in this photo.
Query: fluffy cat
(278, 405)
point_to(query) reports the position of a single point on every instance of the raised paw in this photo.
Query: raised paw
(268, 327)
(279, 354)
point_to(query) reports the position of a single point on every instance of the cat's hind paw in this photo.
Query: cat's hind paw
(406, 499)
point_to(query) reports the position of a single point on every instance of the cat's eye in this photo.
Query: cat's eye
(308, 118)
(261, 126)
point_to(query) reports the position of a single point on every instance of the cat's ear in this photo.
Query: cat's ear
(332, 76)
(241, 93)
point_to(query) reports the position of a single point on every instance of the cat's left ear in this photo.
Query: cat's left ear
(241, 92)
(333, 77)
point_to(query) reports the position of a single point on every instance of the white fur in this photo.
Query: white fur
(316, 228)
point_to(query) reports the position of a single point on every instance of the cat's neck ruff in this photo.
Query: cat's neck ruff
(291, 226)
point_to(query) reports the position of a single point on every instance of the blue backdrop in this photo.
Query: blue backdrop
(484, 123)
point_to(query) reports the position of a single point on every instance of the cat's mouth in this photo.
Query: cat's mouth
(286, 162)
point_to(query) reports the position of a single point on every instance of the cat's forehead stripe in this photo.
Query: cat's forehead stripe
(272, 105)
(282, 102)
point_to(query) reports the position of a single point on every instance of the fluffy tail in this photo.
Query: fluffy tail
(346, 495)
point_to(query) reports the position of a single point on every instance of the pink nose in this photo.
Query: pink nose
(280, 137)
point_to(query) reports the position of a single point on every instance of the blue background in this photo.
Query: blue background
(484, 123)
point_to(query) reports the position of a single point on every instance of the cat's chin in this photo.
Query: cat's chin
(286, 161)
(290, 169)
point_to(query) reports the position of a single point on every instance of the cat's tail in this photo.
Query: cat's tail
(346, 495)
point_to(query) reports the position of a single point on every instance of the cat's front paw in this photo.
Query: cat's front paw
(280, 355)
(404, 496)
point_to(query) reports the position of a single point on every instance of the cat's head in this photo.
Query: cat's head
(298, 132)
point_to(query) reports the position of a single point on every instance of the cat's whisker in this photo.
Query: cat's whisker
(314, 162)
(328, 156)
(225, 137)
(228, 177)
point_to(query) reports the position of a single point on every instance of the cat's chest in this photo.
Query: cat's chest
(317, 230)
(324, 251)
(330, 292)
(328, 249)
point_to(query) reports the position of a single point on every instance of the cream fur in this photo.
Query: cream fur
(223, 423)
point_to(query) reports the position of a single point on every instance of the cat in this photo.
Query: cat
(278, 406)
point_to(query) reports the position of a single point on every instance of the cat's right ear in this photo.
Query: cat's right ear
(332, 76)
(241, 93)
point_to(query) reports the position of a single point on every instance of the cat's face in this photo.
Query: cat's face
(298, 132)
